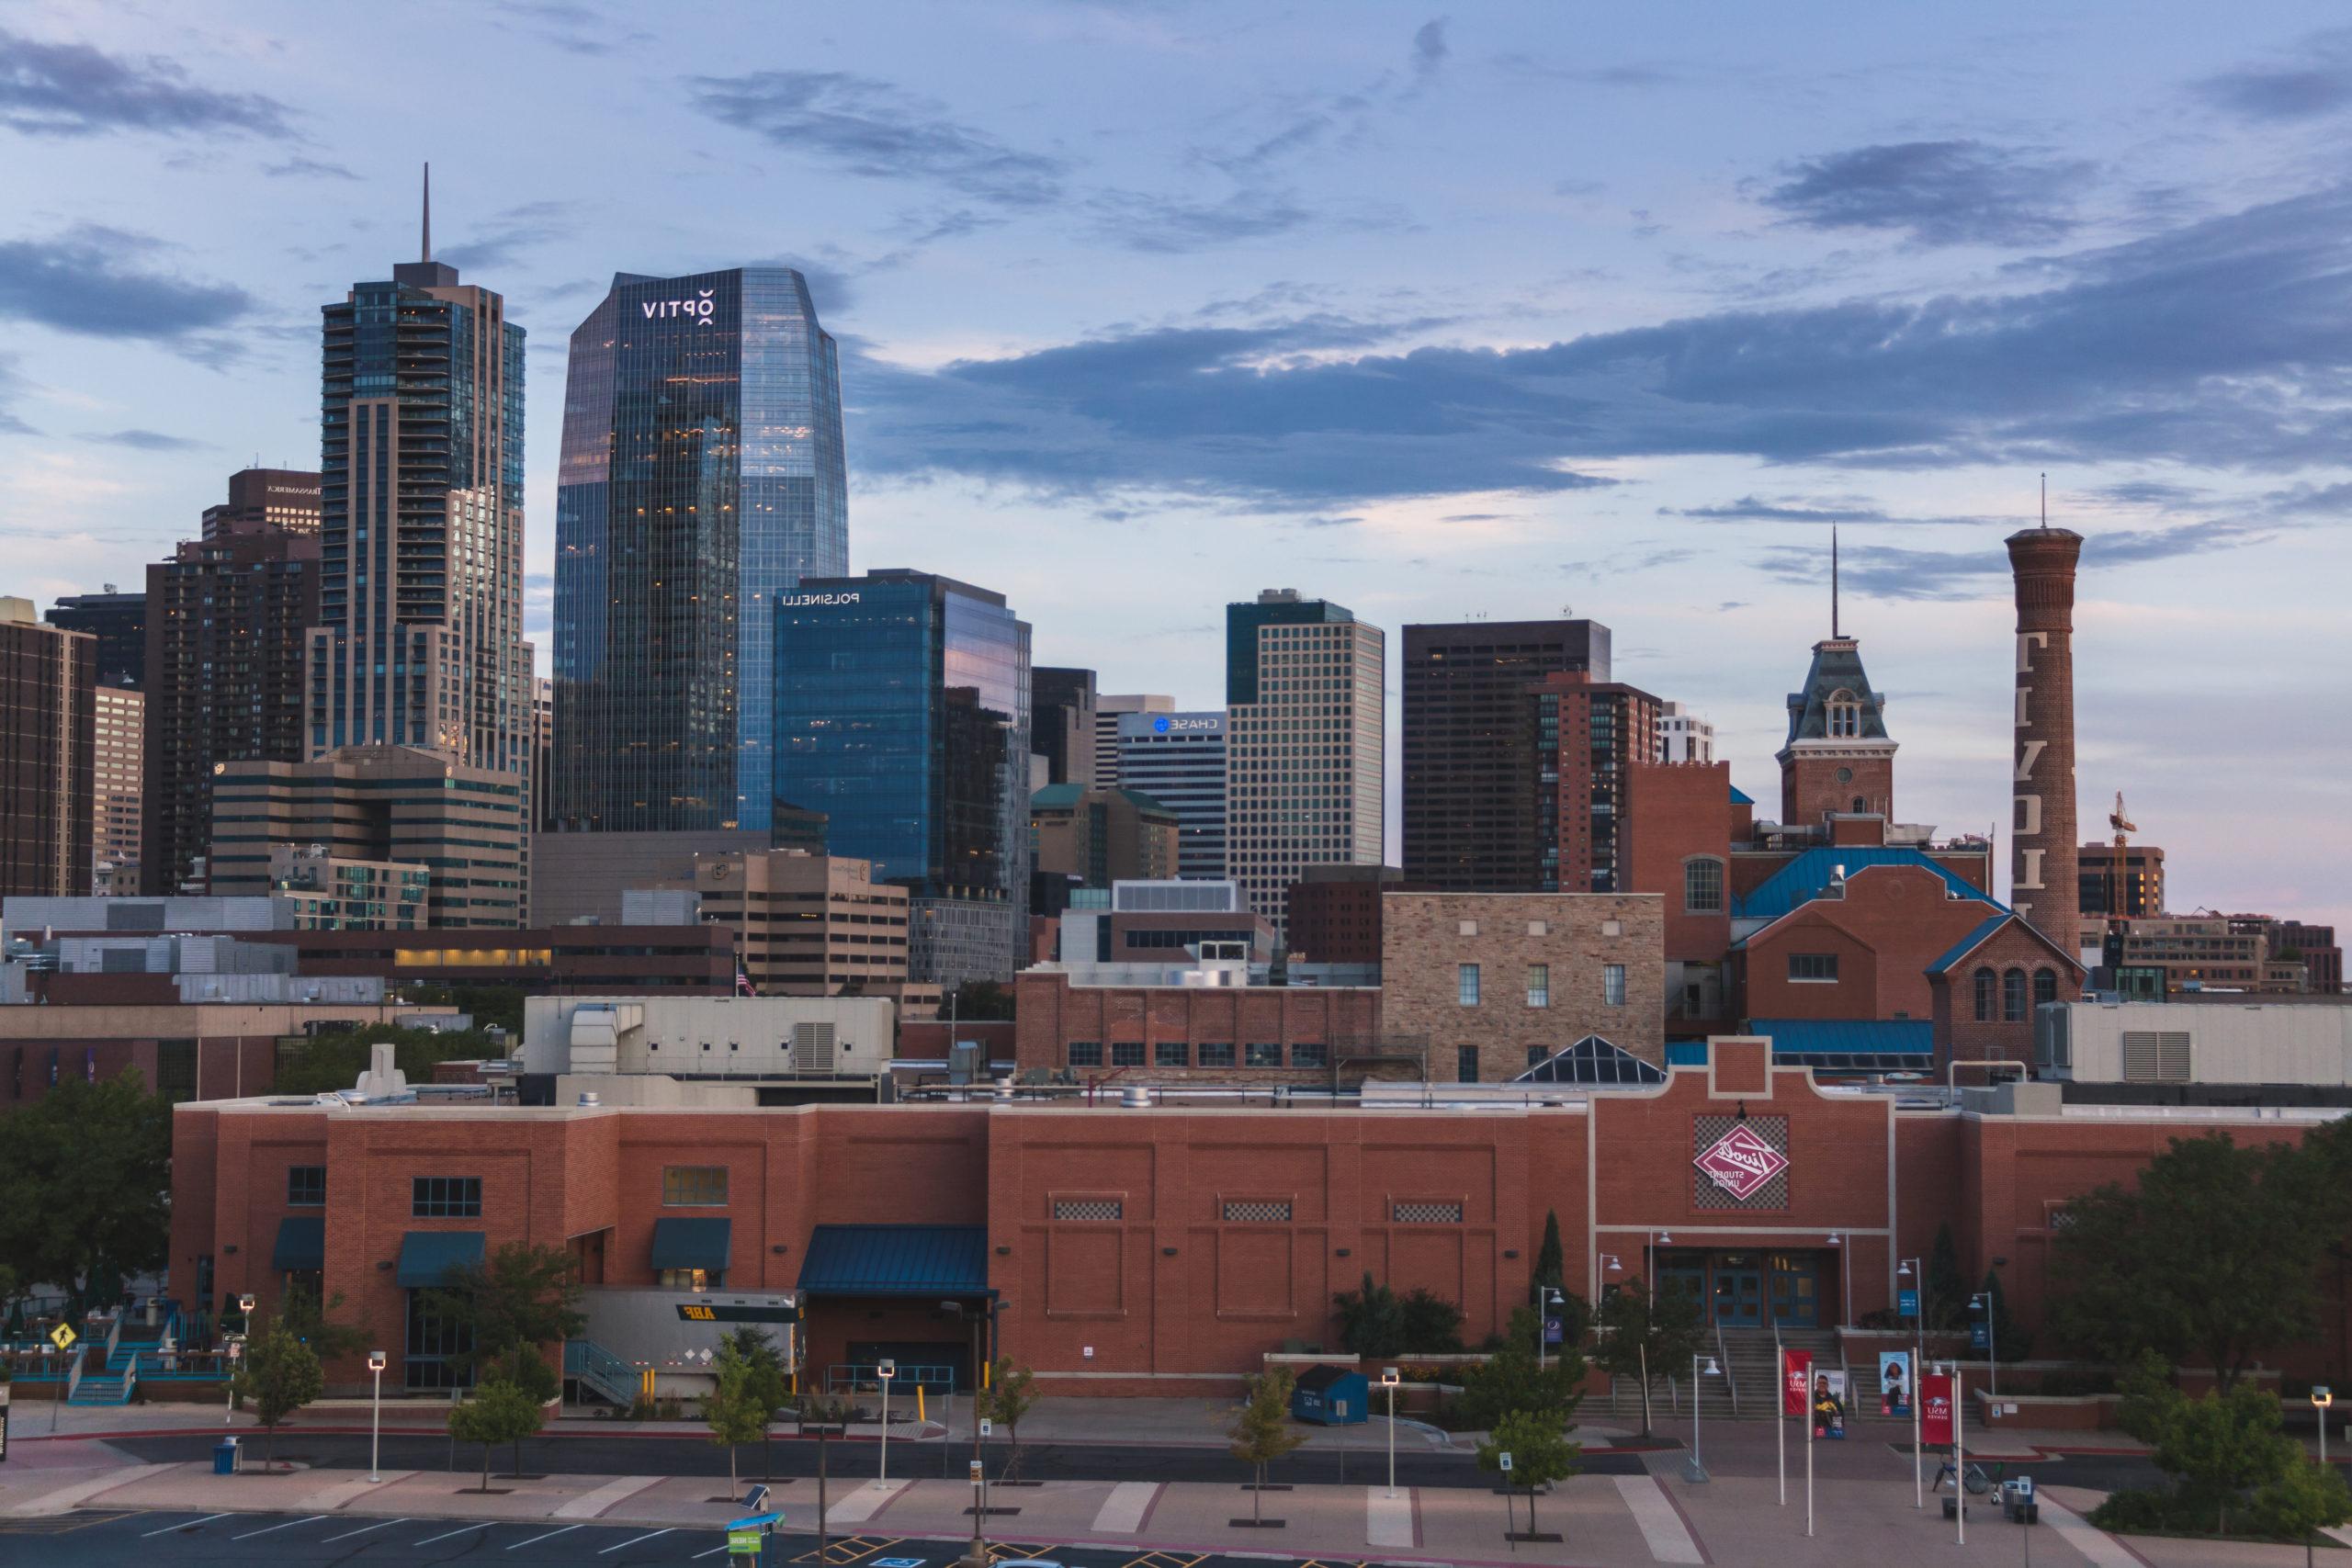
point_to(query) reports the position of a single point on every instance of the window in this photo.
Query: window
(446, 1197)
(1465, 1064)
(435, 1347)
(1988, 1000)
(697, 1186)
(1812, 968)
(1264, 1055)
(1469, 928)
(1217, 1054)
(1257, 1211)
(1126, 1052)
(1538, 927)
(1845, 715)
(1425, 1214)
(1466, 985)
(691, 1278)
(306, 1185)
(1861, 806)
(1170, 1054)
(2013, 996)
(1702, 887)
(1612, 985)
(1310, 1053)
(1539, 985)
(2045, 987)
(1086, 1052)
(1537, 1056)
(1090, 1208)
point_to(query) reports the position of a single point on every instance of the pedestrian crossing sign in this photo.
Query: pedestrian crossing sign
(63, 1337)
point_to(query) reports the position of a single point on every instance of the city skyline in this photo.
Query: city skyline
(1130, 333)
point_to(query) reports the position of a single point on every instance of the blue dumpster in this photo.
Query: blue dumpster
(1331, 1397)
(224, 1457)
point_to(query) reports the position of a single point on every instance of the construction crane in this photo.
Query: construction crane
(2124, 827)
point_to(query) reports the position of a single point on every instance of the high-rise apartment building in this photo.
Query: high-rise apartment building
(1062, 723)
(805, 925)
(1109, 709)
(1304, 767)
(420, 640)
(1472, 817)
(227, 643)
(48, 736)
(1683, 736)
(702, 479)
(1178, 759)
(261, 499)
(119, 621)
(902, 714)
(1590, 735)
(116, 757)
(2127, 882)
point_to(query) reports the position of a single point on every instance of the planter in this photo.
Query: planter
(2047, 1411)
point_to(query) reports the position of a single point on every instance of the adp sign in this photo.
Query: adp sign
(1936, 1408)
(1796, 1382)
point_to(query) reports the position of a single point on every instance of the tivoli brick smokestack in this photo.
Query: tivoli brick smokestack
(2043, 844)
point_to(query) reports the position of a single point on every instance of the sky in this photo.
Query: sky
(1492, 311)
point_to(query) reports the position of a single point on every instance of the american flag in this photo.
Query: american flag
(743, 983)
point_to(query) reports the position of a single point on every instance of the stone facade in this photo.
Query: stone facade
(1602, 961)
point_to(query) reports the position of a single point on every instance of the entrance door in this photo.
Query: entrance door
(1796, 1290)
(1739, 1291)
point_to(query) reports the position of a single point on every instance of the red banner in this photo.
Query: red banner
(1796, 1382)
(1935, 1408)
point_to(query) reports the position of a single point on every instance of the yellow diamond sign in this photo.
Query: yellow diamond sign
(63, 1337)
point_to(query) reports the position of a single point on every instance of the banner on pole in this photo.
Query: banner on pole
(1830, 1403)
(1796, 1382)
(1935, 1408)
(1894, 1382)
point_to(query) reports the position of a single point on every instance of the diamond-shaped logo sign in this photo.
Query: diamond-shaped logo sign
(1741, 1163)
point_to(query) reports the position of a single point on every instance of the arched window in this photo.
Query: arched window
(1845, 715)
(2045, 987)
(2013, 996)
(1702, 885)
(1861, 806)
(1985, 999)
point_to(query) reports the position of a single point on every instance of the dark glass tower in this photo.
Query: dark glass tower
(903, 713)
(702, 479)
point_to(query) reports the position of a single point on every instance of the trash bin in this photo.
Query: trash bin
(2018, 1501)
(224, 1457)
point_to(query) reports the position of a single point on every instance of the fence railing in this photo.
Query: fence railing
(868, 1379)
(1723, 1359)
(591, 1364)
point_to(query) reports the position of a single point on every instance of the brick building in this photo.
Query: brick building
(1216, 1034)
(47, 745)
(805, 925)
(1334, 912)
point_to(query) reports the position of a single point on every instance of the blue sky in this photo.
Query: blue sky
(1488, 309)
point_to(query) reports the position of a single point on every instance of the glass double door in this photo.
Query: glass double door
(1747, 1290)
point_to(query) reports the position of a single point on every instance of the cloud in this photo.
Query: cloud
(1890, 571)
(511, 232)
(11, 386)
(1940, 193)
(145, 441)
(2317, 82)
(1429, 50)
(1167, 225)
(872, 128)
(1801, 509)
(308, 168)
(73, 89)
(94, 281)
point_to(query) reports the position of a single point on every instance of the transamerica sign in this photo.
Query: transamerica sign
(1741, 1163)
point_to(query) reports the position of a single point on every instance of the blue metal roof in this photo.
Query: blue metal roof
(691, 1243)
(1805, 877)
(427, 1256)
(897, 1260)
(301, 1243)
(1741, 798)
(1961, 948)
(1685, 1052)
(1913, 1038)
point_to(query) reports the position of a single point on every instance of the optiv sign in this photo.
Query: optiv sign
(702, 306)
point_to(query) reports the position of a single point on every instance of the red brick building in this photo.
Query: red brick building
(1232, 1033)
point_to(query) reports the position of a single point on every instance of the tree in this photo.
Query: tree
(2300, 1499)
(280, 1375)
(769, 1384)
(1372, 1320)
(1540, 1454)
(519, 1295)
(2135, 1271)
(1551, 1259)
(334, 1061)
(1512, 1380)
(733, 1409)
(1261, 1433)
(85, 1186)
(497, 1413)
(2008, 1335)
(982, 1000)
(2215, 1449)
(1943, 1296)
(315, 1324)
(1011, 1391)
(1640, 1330)
(1432, 1324)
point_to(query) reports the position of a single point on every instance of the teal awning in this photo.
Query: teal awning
(897, 1260)
(691, 1243)
(427, 1256)
(301, 1243)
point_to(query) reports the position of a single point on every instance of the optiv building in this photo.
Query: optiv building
(702, 479)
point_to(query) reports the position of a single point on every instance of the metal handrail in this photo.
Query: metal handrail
(1723, 1359)
(601, 1370)
(74, 1372)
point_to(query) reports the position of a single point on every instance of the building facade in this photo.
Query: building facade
(2044, 881)
(1305, 738)
(807, 925)
(2126, 883)
(1179, 760)
(1334, 912)
(116, 758)
(1474, 818)
(1109, 709)
(902, 715)
(702, 479)
(1839, 759)
(119, 622)
(1683, 736)
(284, 500)
(48, 746)
(1062, 722)
(1590, 735)
(1096, 837)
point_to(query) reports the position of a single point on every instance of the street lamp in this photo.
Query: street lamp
(375, 1416)
(1547, 1299)
(1982, 1302)
(1388, 1380)
(2322, 1397)
(886, 1372)
(1845, 1274)
(1696, 1471)
(1913, 1270)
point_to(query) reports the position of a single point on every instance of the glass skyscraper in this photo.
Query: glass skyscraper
(702, 479)
(903, 713)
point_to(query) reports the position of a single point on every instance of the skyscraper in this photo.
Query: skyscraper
(1178, 759)
(48, 736)
(2043, 874)
(420, 501)
(903, 713)
(1061, 723)
(119, 621)
(1109, 709)
(1590, 735)
(1473, 819)
(114, 800)
(1304, 767)
(283, 499)
(702, 479)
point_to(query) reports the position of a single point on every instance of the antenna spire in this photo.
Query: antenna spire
(2045, 500)
(1833, 580)
(428, 214)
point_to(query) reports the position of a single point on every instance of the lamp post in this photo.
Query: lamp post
(1982, 1302)
(2322, 1397)
(1388, 1380)
(1845, 1274)
(1547, 1299)
(1696, 1471)
(375, 1359)
(886, 1372)
(1912, 1269)
(245, 1330)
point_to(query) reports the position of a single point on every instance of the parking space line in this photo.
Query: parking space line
(608, 1551)
(289, 1524)
(188, 1524)
(461, 1530)
(712, 1552)
(549, 1536)
(380, 1524)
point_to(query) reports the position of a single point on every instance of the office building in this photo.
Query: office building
(1334, 912)
(1062, 723)
(805, 925)
(1589, 736)
(542, 753)
(902, 714)
(1095, 836)
(119, 622)
(47, 737)
(2128, 882)
(579, 879)
(373, 805)
(420, 641)
(283, 500)
(2318, 951)
(1109, 709)
(1473, 807)
(1683, 736)
(1304, 762)
(702, 479)
(116, 757)
(1178, 759)
(226, 644)
(2044, 883)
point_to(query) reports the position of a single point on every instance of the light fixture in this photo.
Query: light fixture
(375, 1359)
(1666, 1239)
(1711, 1370)
(1836, 1240)
(1902, 1270)
(1615, 1266)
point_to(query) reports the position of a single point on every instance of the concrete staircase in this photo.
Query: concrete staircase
(1755, 1367)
